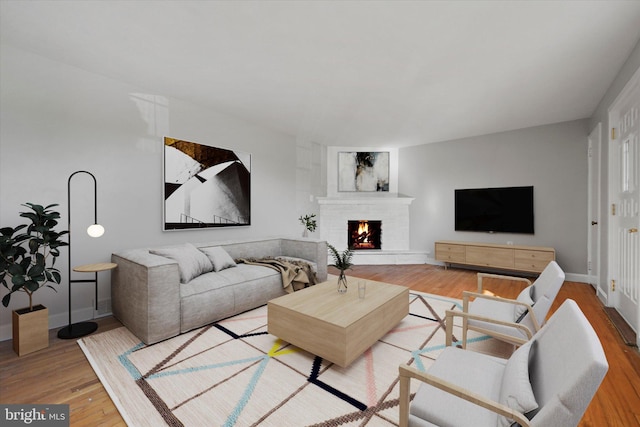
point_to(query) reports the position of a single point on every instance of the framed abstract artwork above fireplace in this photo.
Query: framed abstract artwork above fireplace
(363, 171)
(205, 186)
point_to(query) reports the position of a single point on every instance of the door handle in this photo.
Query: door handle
(633, 230)
(594, 222)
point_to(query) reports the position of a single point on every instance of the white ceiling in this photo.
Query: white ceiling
(360, 73)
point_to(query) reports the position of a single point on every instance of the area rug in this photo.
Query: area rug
(233, 373)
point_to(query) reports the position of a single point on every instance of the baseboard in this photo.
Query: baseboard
(602, 296)
(574, 277)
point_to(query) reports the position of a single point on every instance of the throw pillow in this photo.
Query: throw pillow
(525, 296)
(516, 391)
(191, 262)
(218, 257)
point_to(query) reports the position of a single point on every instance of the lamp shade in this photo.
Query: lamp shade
(95, 230)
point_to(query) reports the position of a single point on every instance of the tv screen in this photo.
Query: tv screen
(506, 210)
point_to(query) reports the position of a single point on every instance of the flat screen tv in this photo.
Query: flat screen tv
(495, 210)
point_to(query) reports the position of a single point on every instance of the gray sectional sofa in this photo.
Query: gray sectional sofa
(158, 293)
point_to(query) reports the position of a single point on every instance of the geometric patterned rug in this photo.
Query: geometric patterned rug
(233, 373)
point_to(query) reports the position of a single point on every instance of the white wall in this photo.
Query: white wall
(552, 158)
(310, 180)
(57, 119)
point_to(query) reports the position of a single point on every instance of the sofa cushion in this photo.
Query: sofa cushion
(252, 249)
(516, 391)
(218, 257)
(246, 272)
(229, 277)
(191, 262)
(216, 295)
(201, 305)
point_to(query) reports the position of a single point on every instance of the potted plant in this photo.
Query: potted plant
(27, 257)
(341, 261)
(309, 223)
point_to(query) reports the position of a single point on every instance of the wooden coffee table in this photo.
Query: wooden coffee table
(337, 327)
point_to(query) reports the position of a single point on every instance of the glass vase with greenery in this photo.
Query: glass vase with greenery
(342, 261)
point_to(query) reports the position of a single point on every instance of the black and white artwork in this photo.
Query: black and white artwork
(363, 171)
(205, 186)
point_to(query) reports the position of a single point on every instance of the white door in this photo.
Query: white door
(593, 226)
(624, 171)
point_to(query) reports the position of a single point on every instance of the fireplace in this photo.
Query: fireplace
(364, 234)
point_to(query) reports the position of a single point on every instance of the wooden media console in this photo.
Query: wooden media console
(532, 259)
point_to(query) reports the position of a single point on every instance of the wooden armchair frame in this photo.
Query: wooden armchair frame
(466, 295)
(450, 314)
(407, 372)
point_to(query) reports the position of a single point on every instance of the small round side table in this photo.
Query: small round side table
(81, 329)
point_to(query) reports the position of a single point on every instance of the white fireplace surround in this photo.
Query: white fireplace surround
(392, 210)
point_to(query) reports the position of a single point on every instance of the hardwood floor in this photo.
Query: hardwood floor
(61, 373)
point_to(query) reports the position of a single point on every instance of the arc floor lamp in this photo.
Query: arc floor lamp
(81, 329)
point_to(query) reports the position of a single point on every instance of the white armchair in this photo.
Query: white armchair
(511, 320)
(549, 381)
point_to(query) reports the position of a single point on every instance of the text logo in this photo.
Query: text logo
(34, 415)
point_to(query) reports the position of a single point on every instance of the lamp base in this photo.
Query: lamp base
(77, 330)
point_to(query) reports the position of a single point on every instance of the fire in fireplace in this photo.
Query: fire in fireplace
(365, 234)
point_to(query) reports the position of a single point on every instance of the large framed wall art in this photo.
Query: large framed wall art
(363, 171)
(205, 186)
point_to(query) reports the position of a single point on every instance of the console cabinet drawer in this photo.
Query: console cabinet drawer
(529, 260)
(489, 257)
(450, 253)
